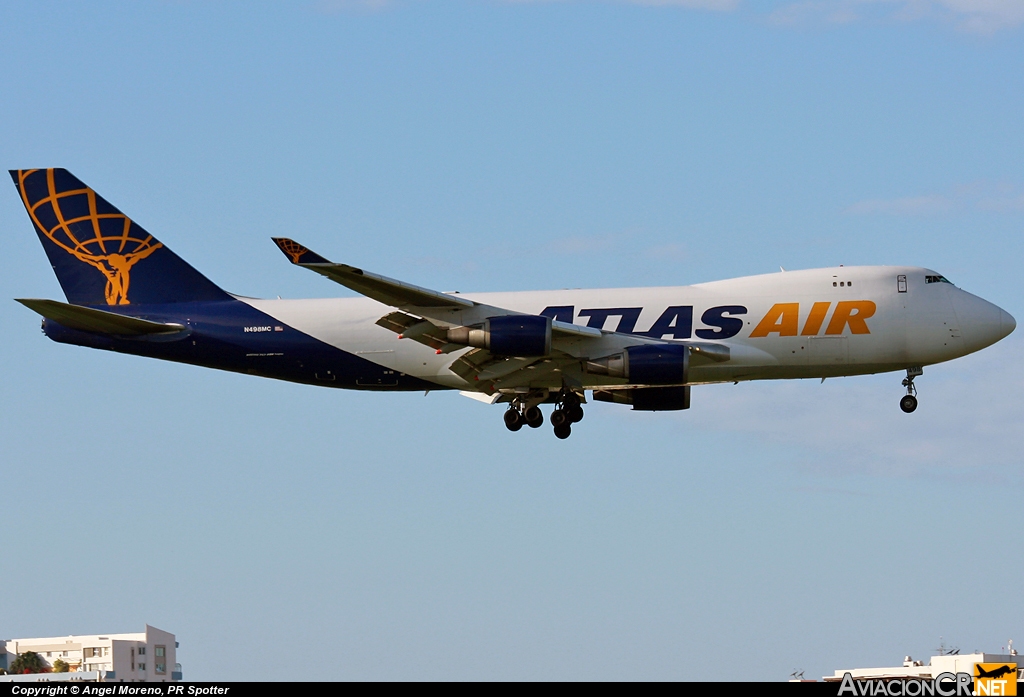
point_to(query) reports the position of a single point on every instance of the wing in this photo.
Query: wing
(442, 308)
(380, 288)
(443, 321)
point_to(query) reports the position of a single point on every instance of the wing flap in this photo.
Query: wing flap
(419, 330)
(398, 322)
(468, 365)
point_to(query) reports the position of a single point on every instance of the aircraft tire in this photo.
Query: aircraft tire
(564, 431)
(513, 420)
(559, 417)
(534, 417)
(575, 413)
(908, 403)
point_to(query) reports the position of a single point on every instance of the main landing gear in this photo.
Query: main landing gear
(567, 412)
(516, 417)
(909, 401)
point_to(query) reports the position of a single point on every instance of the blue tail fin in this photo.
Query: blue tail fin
(100, 256)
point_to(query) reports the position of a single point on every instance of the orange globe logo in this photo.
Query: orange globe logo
(105, 241)
(293, 249)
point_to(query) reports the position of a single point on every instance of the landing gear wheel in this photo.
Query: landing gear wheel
(564, 431)
(909, 402)
(575, 413)
(534, 417)
(558, 419)
(513, 420)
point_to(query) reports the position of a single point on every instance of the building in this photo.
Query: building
(945, 662)
(149, 656)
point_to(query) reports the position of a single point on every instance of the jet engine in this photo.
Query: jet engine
(507, 335)
(650, 364)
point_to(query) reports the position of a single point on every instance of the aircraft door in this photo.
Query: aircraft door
(898, 347)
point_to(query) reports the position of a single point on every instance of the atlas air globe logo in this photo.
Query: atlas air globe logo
(293, 249)
(88, 228)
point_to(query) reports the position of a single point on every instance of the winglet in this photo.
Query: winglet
(297, 253)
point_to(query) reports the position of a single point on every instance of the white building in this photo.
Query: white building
(944, 663)
(148, 656)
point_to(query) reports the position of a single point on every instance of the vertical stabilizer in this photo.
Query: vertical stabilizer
(102, 257)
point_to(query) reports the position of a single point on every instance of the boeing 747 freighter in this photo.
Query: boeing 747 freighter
(644, 347)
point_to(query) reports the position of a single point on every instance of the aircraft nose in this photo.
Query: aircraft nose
(981, 322)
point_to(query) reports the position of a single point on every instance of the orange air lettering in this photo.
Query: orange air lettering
(782, 318)
(815, 319)
(852, 313)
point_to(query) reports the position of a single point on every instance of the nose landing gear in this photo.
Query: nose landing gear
(909, 402)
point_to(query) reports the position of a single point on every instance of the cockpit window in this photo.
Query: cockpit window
(936, 279)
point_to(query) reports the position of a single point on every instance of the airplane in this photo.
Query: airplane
(997, 672)
(644, 347)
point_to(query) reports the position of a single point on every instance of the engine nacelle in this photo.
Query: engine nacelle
(650, 364)
(508, 335)
(648, 398)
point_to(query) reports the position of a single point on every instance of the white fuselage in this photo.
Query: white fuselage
(813, 323)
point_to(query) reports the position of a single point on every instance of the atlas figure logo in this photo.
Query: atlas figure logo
(89, 229)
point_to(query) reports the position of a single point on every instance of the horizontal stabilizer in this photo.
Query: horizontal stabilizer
(87, 319)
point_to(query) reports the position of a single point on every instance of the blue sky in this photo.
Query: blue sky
(285, 531)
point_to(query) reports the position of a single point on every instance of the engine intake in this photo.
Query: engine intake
(508, 335)
(650, 364)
